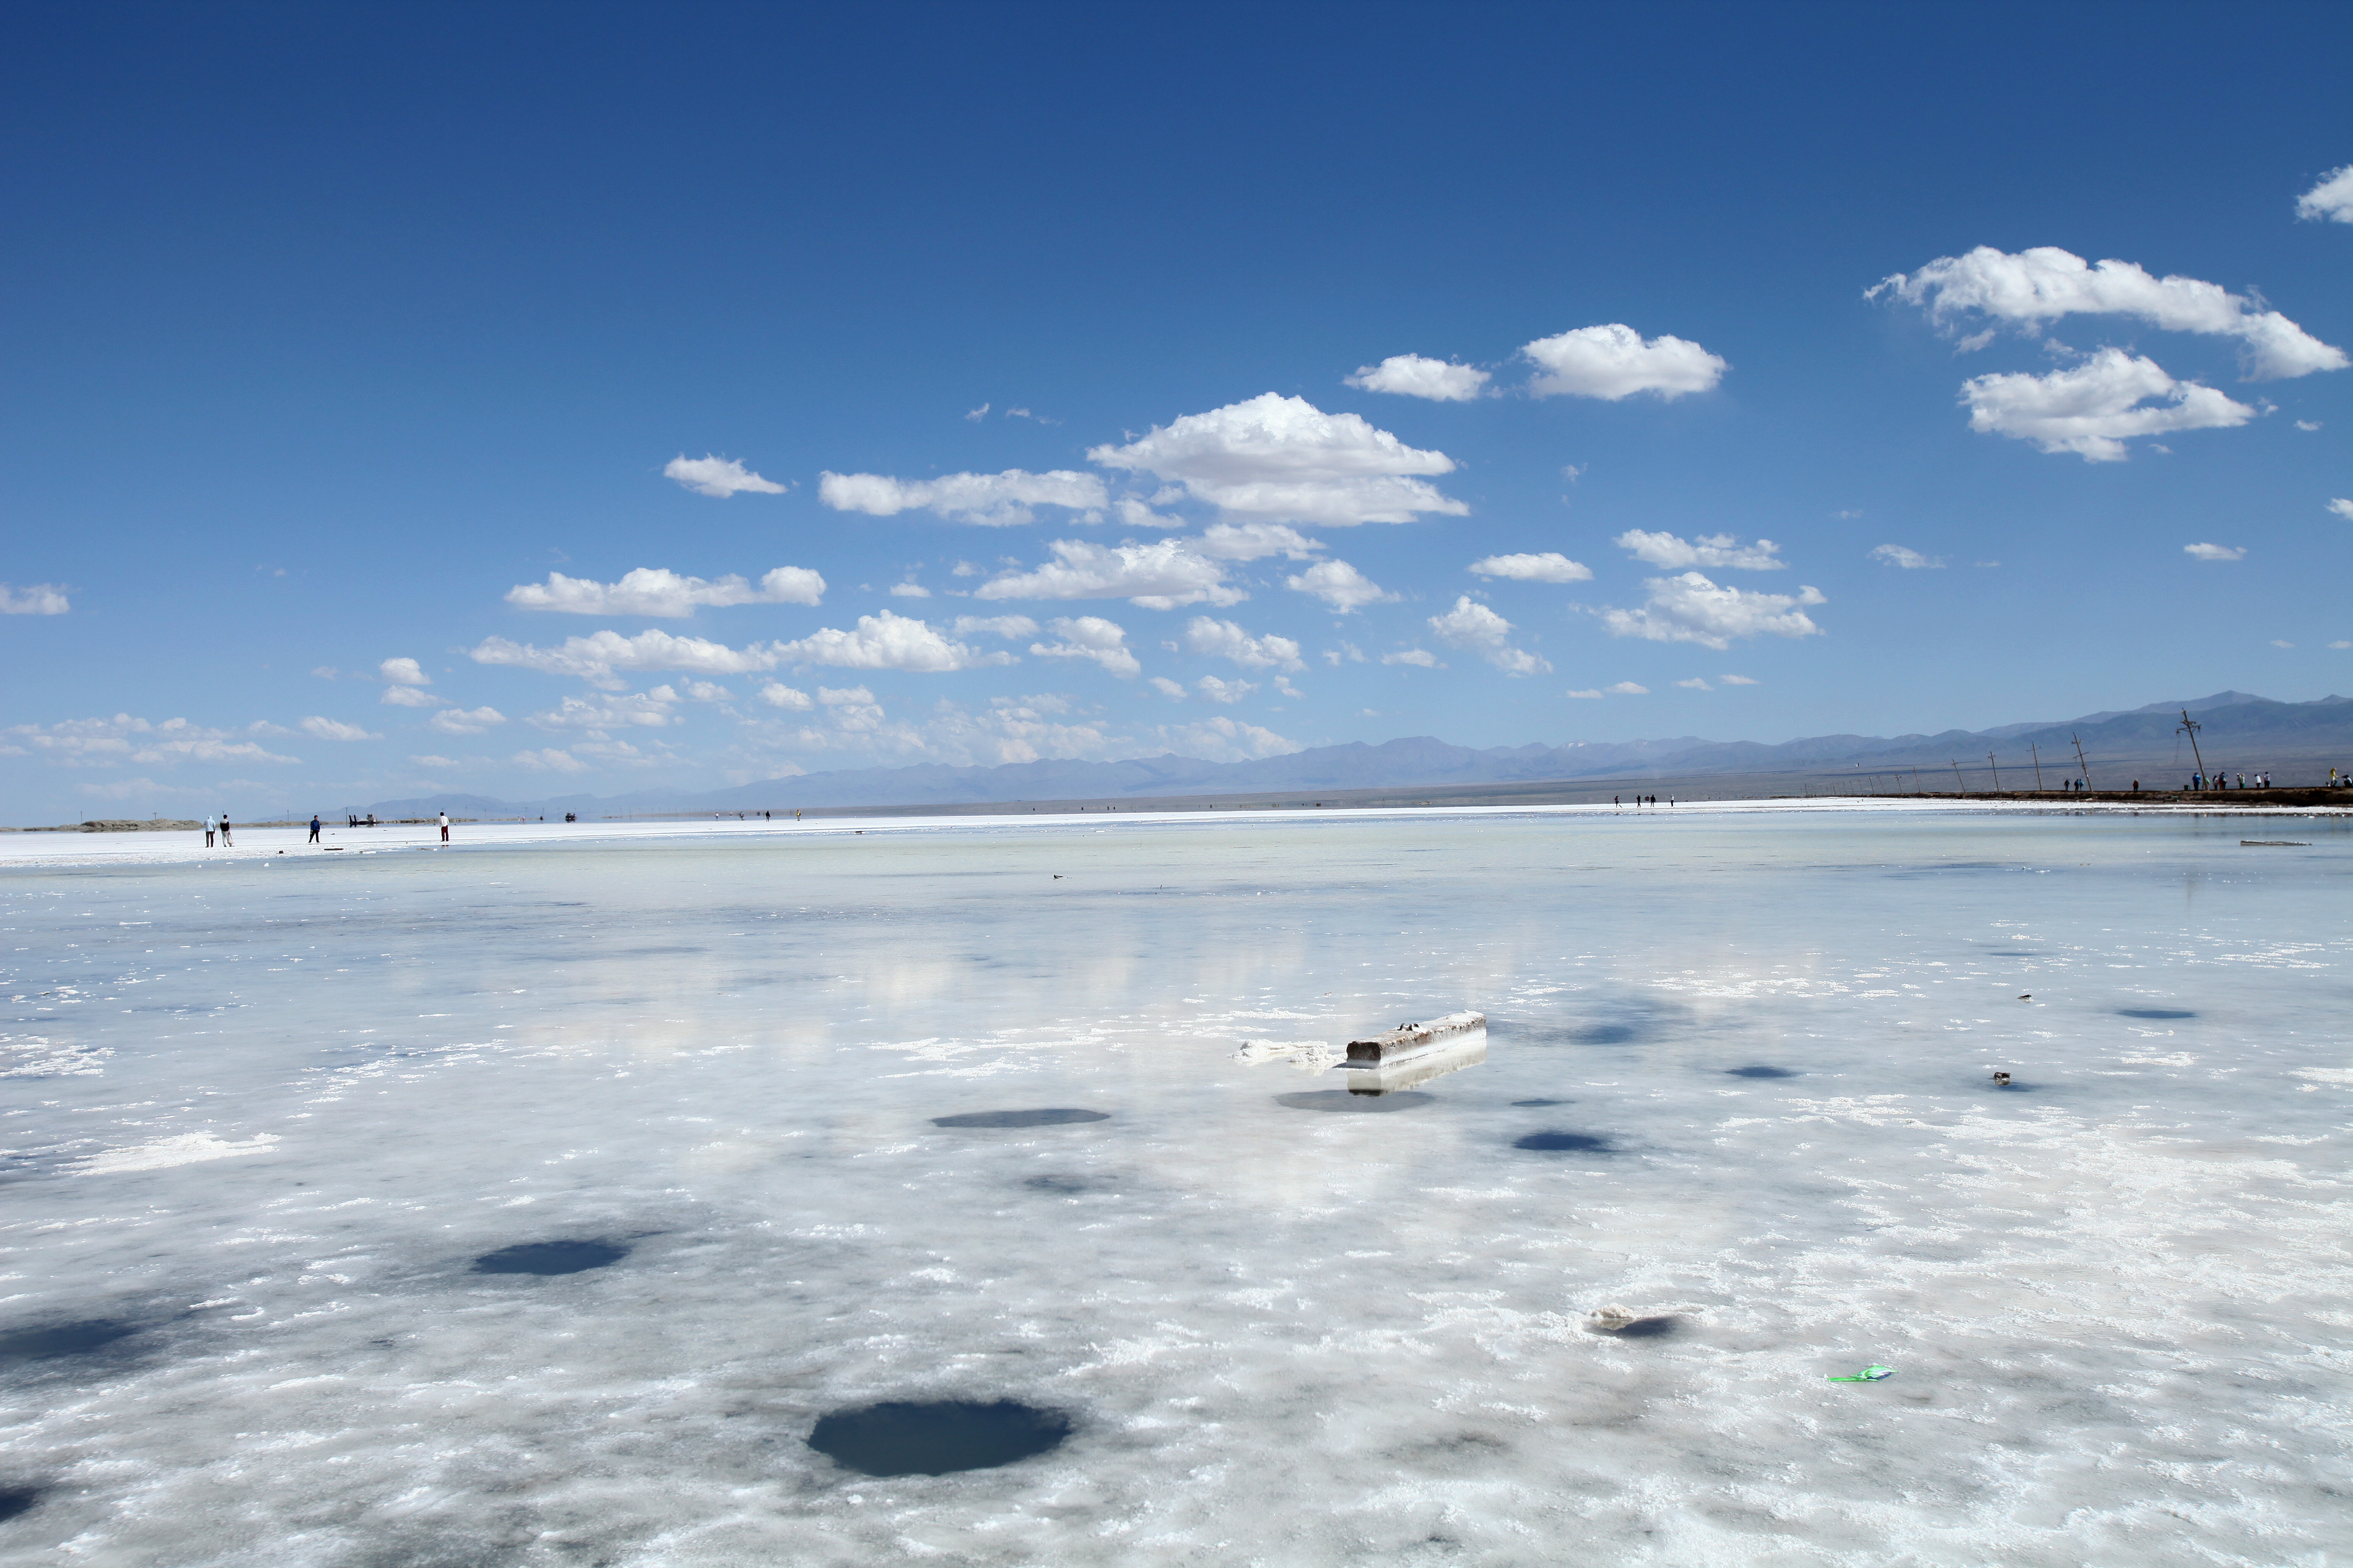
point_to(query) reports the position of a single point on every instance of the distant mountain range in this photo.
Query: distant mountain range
(2241, 730)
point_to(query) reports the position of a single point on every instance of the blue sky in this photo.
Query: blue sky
(354, 352)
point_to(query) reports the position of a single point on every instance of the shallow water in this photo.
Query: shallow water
(269, 1118)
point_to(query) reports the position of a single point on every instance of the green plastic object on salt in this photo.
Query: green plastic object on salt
(1868, 1375)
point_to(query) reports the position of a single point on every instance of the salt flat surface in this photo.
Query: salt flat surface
(264, 1112)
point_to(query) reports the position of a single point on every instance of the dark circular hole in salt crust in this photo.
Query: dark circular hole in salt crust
(1050, 1118)
(2154, 1013)
(63, 1339)
(905, 1439)
(1758, 1072)
(1537, 1102)
(1646, 1329)
(1055, 1181)
(1567, 1142)
(15, 1500)
(550, 1258)
(1349, 1100)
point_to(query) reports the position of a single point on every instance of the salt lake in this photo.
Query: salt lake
(686, 1195)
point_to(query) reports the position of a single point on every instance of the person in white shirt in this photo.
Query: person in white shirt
(445, 828)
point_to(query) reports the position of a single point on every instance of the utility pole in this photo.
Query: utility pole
(1957, 785)
(2079, 759)
(2190, 727)
(1997, 771)
(2036, 752)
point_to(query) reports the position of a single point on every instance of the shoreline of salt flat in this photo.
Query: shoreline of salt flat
(38, 850)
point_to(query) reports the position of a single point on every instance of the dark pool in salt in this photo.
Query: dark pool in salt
(55, 1340)
(550, 1257)
(1052, 1116)
(1350, 1100)
(1566, 1142)
(1527, 1104)
(1645, 1328)
(2155, 1012)
(1058, 1181)
(900, 1437)
(1758, 1072)
(15, 1500)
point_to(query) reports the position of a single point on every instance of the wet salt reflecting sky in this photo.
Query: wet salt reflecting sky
(263, 1116)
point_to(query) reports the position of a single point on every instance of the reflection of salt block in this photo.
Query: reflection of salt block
(1407, 1041)
(1377, 1078)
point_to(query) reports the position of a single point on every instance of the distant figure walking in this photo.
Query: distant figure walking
(315, 828)
(445, 828)
(225, 842)
(212, 823)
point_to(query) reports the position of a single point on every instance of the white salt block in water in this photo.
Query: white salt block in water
(1409, 1040)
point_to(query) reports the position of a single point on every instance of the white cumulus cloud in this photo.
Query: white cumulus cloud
(403, 672)
(2331, 198)
(2094, 408)
(1168, 688)
(2342, 508)
(1282, 459)
(1590, 693)
(2036, 287)
(2213, 552)
(1613, 361)
(1222, 740)
(33, 599)
(596, 657)
(1090, 637)
(1338, 585)
(657, 591)
(1551, 566)
(549, 760)
(1629, 688)
(1899, 556)
(1254, 541)
(108, 742)
(1708, 550)
(910, 591)
(887, 641)
(1163, 576)
(1697, 683)
(1739, 680)
(1420, 657)
(1411, 375)
(1224, 640)
(776, 694)
(1006, 627)
(720, 476)
(993, 500)
(409, 697)
(335, 729)
(466, 721)
(642, 709)
(1470, 624)
(1217, 690)
(1690, 609)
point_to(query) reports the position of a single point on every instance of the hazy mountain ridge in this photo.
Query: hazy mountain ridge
(2240, 730)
